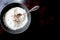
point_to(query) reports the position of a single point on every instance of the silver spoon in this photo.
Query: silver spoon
(33, 9)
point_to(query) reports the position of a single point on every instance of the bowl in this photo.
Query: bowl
(3, 12)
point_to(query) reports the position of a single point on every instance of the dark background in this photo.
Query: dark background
(45, 19)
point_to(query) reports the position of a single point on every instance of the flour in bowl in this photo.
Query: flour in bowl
(15, 18)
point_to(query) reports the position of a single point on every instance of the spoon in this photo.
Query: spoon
(33, 9)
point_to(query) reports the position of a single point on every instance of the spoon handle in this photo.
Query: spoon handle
(33, 9)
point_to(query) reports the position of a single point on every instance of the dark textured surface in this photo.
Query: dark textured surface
(45, 19)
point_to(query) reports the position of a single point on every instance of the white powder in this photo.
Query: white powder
(9, 18)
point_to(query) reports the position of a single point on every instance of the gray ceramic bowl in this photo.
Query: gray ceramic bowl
(5, 9)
